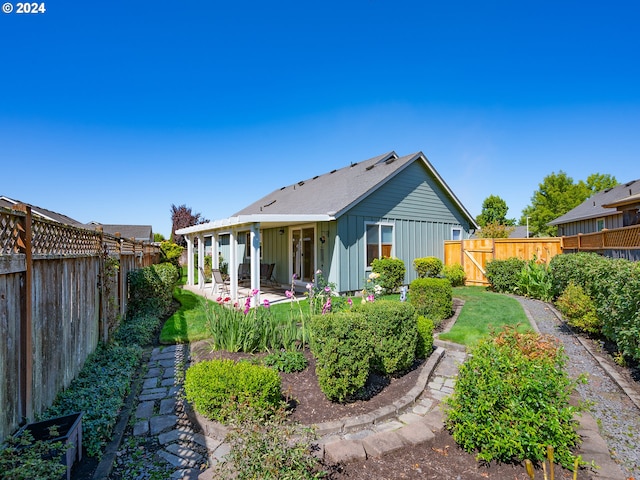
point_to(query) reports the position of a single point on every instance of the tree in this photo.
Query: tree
(494, 211)
(557, 194)
(182, 217)
(158, 237)
(495, 230)
(598, 182)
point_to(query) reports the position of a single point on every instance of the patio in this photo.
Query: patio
(274, 294)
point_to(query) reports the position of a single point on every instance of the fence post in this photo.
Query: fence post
(26, 314)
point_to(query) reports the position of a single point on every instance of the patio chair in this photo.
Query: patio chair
(219, 283)
(244, 272)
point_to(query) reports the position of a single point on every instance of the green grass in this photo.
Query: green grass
(189, 323)
(484, 312)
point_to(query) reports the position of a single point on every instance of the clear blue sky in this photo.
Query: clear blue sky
(113, 111)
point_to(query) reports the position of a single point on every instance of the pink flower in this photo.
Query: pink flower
(327, 289)
(219, 300)
(255, 292)
(350, 302)
(266, 303)
(295, 276)
(227, 299)
(309, 286)
(326, 307)
(288, 293)
(371, 298)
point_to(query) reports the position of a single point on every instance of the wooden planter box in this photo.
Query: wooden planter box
(69, 432)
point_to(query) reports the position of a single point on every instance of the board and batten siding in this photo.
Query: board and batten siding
(423, 217)
(590, 225)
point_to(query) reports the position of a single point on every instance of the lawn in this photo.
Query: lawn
(484, 312)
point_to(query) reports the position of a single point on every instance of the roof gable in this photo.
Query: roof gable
(593, 207)
(335, 192)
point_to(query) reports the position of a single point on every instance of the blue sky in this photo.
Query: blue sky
(114, 111)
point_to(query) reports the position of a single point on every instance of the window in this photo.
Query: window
(379, 240)
(456, 234)
(599, 224)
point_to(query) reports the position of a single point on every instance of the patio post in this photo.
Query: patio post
(255, 262)
(233, 264)
(201, 279)
(190, 259)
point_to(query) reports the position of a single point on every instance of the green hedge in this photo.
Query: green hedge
(511, 400)
(342, 345)
(392, 272)
(432, 298)
(151, 289)
(614, 286)
(217, 387)
(428, 267)
(504, 275)
(455, 274)
(424, 347)
(395, 334)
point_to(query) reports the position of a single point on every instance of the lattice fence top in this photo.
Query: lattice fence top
(11, 232)
(51, 238)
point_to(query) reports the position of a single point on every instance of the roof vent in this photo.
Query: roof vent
(269, 204)
(390, 160)
(332, 171)
(300, 183)
(315, 177)
(629, 183)
(370, 167)
(354, 164)
(283, 188)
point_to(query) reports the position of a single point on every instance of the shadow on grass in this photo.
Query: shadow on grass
(188, 323)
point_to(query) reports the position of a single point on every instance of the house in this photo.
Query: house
(614, 207)
(339, 222)
(10, 203)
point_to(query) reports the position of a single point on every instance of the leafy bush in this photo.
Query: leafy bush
(391, 270)
(578, 308)
(573, 267)
(23, 458)
(170, 252)
(428, 266)
(341, 343)
(504, 275)
(424, 347)
(432, 298)
(511, 399)
(455, 274)
(286, 361)
(272, 449)
(215, 387)
(395, 334)
(534, 281)
(151, 289)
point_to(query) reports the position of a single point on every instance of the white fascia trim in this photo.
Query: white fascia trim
(254, 218)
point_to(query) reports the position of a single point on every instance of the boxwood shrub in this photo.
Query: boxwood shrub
(579, 309)
(216, 387)
(432, 298)
(424, 347)
(428, 266)
(504, 275)
(511, 400)
(342, 346)
(391, 270)
(455, 274)
(395, 334)
(151, 289)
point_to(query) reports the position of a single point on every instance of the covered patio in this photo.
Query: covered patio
(285, 251)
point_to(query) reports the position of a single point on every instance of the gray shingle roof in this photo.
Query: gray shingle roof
(335, 192)
(592, 207)
(7, 202)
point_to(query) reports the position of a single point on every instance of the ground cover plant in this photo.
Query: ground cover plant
(484, 312)
(511, 400)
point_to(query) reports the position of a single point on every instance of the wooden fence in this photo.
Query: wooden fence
(616, 243)
(62, 290)
(474, 254)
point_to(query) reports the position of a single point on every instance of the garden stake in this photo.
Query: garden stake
(550, 457)
(529, 466)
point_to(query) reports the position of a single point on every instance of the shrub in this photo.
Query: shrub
(428, 266)
(424, 346)
(534, 281)
(151, 289)
(395, 334)
(23, 458)
(504, 275)
(170, 252)
(578, 308)
(391, 270)
(286, 361)
(573, 267)
(216, 387)
(273, 449)
(455, 274)
(511, 399)
(341, 343)
(432, 298)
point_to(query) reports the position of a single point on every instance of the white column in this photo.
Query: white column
(201, 279)
(190, 259)
(215, 249)
(255, 261)
(233, 265)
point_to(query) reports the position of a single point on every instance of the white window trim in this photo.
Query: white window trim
(604, 224)
(459, 229)
(393, 240)
(291, 228)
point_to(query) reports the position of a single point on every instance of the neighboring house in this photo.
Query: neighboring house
(7, 202)
(141, 233)
(339, 222)
(611, 208)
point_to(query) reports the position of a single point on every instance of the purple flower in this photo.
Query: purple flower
(326, 307)
(255, 292)
(327, 289)
(266, 303)
(288, 293)
(350, 302)
(371, 298)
